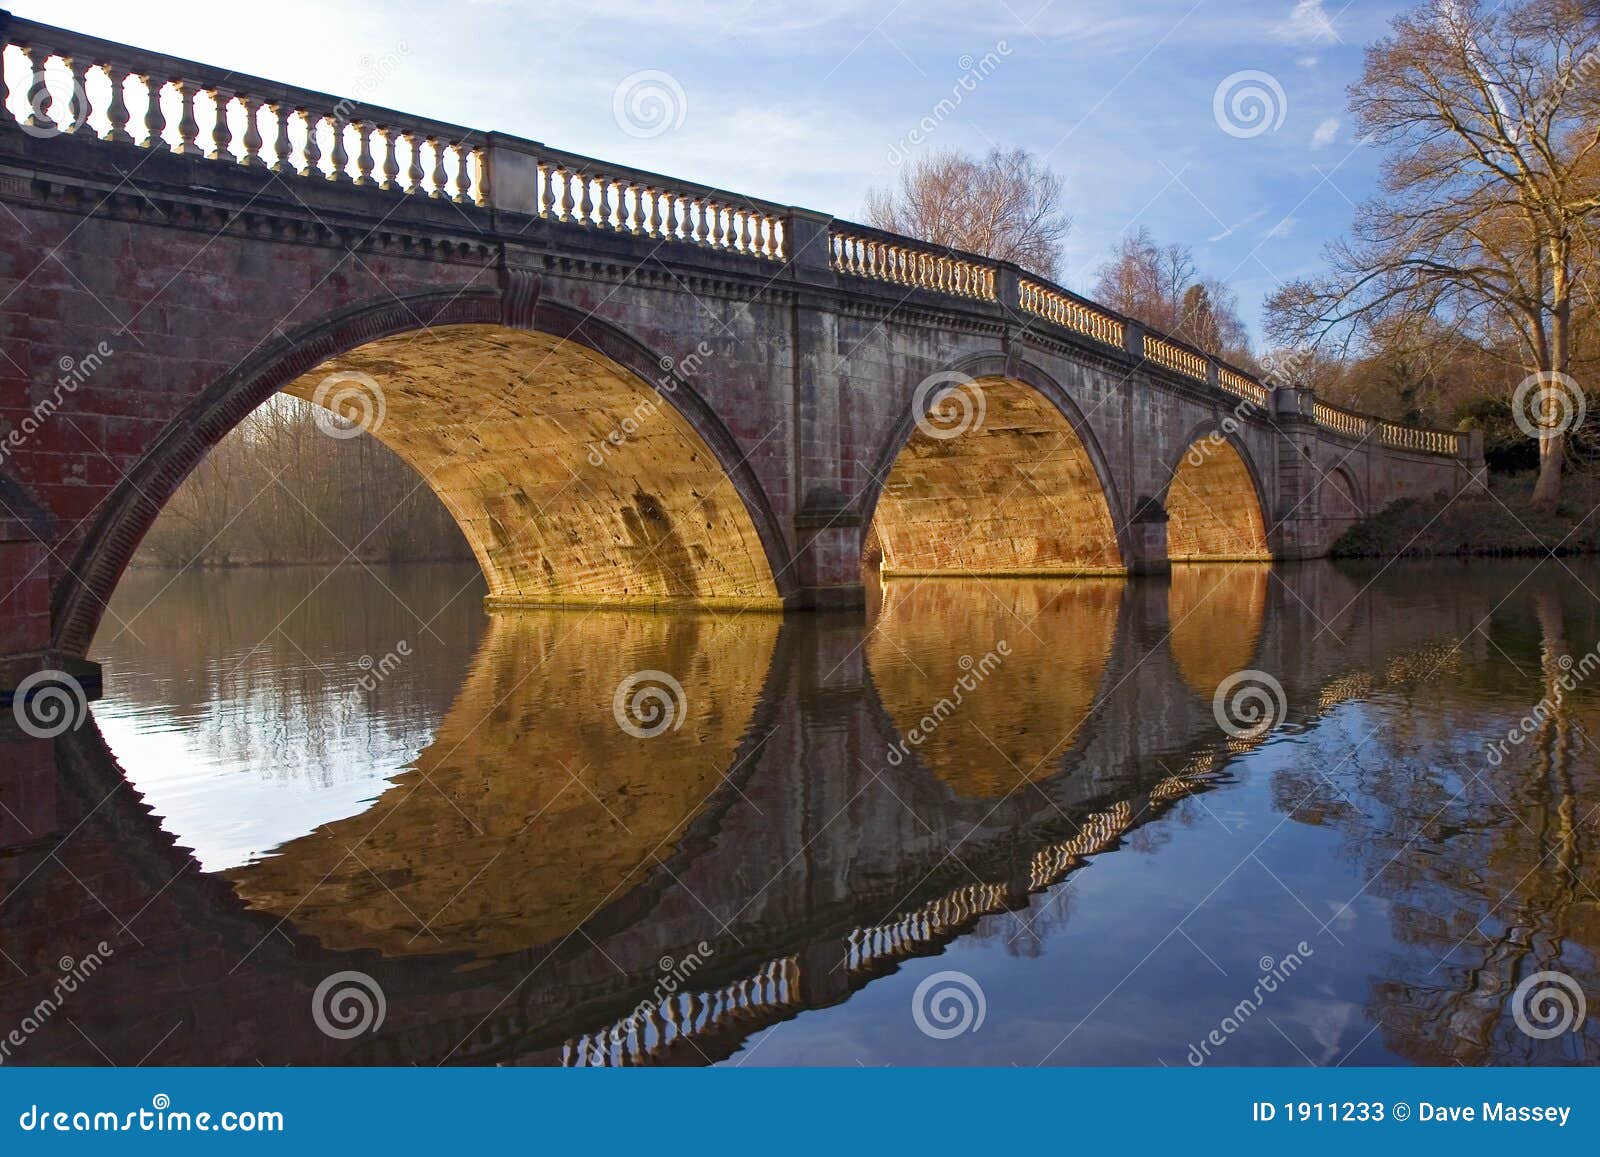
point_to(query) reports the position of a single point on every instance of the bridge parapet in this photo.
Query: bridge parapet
(250, 121)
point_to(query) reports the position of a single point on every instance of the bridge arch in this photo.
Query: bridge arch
(733, 553)
(1215, 502)
(1022, 462)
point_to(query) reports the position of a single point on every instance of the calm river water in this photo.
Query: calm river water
(990, 823)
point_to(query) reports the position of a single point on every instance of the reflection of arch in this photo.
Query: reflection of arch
(1216, 615)
(1214, 502)
(1024, 490)
(734, 559)
(547, 822)
(1021, 713)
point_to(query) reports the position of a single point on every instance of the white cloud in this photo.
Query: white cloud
(1325, 133)
(1308, 23)
(1282, 228)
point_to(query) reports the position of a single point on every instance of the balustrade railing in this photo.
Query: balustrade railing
(54, 82)
(863, 252)
(1056, 306)
(582, 191)
(91, 88)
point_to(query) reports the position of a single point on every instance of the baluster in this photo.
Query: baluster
(391, 158)
(464, 194)
(564, 203)
(313, 150)
(155, 122)
(603, 210)
(78, 105)
(252, 134)
(6, 118)
(655, 211)
(541, 189)
(440, 178)
(749, 234)
(698, 211)
(672, 216)
(364, 161)
(116, 111)
(586, 200)
(40, 101)
(717, 235)
(339, 158)
(188, 127)
(414, 169)
(221, 131)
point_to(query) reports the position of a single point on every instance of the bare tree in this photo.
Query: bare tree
(1160, 286)
(1491, 191)
(1006, 206)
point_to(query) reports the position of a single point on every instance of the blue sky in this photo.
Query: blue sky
(808, 101)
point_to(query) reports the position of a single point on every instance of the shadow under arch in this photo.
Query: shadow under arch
(980, 682)
(1019, 486)
(740, 559)
(1215, 502)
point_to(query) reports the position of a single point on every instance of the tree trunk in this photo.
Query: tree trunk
(1555, 397)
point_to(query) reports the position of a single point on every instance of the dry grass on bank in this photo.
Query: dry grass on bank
(1499, 523)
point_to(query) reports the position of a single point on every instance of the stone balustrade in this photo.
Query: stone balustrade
(91, 88)
(862, 252)
(1055, 305)
(54, 82)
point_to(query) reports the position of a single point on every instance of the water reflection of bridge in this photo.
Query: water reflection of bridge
(516, 891)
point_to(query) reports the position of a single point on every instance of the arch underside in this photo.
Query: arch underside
(1213, 511)
(573, 481)
(1016, 494)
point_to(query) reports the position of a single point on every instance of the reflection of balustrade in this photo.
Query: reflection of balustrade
(662, 1025)
(910, 934)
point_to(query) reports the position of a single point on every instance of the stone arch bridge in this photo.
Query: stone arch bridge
(627, 388)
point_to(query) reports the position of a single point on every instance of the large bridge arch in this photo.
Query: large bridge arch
(741, 554)
(1215, 500)
(1026, 464)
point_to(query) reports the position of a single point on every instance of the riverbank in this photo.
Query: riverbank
(1501, 523)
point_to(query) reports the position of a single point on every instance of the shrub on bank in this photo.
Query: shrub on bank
(1498, 523)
